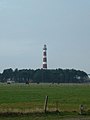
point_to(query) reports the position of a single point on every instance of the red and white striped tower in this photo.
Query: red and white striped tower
(45, 57)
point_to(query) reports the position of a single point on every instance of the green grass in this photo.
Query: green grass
(43, 116)
(19, 98)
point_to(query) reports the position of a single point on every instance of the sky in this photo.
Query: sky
(63, 25)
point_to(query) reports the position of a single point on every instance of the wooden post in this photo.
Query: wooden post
(45, 105)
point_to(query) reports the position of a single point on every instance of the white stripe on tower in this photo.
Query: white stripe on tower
(45, 57)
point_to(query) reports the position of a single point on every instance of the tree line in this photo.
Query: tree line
(44, 76)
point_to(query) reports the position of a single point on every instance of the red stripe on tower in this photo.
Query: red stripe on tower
(45, 57)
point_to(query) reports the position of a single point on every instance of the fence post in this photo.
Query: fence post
(45, 105)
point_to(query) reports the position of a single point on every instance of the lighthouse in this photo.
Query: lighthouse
(45, 57)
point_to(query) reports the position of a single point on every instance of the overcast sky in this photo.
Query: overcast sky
(26, 25)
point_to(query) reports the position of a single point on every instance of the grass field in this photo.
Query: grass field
(30, 98)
